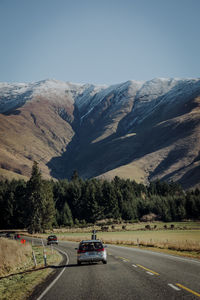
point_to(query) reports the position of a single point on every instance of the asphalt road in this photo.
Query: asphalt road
(129, 274)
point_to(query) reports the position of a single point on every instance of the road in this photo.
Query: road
(131, 273)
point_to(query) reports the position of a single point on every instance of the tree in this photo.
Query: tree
(48, 207)
(75, 175)
(65, 216)
(109, 201)
(91, 209)
(39, 199)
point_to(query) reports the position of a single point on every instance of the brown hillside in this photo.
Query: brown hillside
(33, 132)
(141, 131)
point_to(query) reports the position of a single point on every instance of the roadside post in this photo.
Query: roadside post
(94, 236)
(33, 253)
(34, 258)
(45, 257)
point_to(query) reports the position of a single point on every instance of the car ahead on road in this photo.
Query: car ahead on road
(91, 251)
(8, 235)
(52, 239)
(17, 236)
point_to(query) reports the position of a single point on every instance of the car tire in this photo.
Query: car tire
(79, 263)
(104, 262)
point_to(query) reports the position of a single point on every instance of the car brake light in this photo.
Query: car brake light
(99, 250)
(81, 251)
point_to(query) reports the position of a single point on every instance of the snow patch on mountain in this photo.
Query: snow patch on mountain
(160, 91)
(13, 95)
(92, 96)
(146, 95)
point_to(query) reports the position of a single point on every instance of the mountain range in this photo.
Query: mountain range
(142, 130)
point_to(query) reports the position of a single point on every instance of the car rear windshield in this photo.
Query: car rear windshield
(90, 246)
(52, 237)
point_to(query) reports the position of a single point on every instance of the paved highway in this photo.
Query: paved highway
(129, 274)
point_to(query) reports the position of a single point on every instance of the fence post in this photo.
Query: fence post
(34, 258)
(45, 257)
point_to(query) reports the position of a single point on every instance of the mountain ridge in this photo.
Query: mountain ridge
(150, 128)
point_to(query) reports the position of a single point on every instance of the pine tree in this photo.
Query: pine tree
(65, 216)
(91, 210)
(40, 203)
(48, 208)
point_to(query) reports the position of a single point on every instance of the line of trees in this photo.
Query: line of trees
(40, 204)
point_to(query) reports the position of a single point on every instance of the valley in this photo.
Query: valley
(139, 130)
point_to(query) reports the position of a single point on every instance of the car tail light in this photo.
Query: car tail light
(99, 250)
(81, 251)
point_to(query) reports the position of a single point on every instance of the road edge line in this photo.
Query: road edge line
(55, 280)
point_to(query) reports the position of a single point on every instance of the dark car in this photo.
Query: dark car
(8, 235)
(17, 236)
(52, 239)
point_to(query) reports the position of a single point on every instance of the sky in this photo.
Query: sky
(99, 41)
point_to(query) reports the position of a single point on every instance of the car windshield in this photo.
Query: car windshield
(88, 246)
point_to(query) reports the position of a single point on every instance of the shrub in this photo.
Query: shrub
(148, 227)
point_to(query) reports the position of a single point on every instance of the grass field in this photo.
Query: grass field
(19, 276)
(183, 239)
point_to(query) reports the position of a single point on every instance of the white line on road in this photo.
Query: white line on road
(53, 282)
(134, 266)
(171, 256)
(150, 273)
(174, 287)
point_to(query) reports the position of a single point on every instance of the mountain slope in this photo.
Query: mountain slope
(140, 130)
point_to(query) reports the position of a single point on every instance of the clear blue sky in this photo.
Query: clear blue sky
(99, 41)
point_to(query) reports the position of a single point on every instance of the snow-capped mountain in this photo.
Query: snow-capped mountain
(143, 130)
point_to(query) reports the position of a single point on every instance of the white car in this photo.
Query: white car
(91, 251)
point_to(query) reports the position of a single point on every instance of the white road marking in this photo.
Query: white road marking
(174, 287)
(171, 256)
(150, 273)
(134, 266)
(56, 279)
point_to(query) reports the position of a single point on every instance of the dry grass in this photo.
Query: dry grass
(156, 226)
(189, 241)
(19, 276)
(10, 175)
(185, 238)
(13, 255)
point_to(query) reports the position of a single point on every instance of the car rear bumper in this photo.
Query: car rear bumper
(52, 242)
(91, 258)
